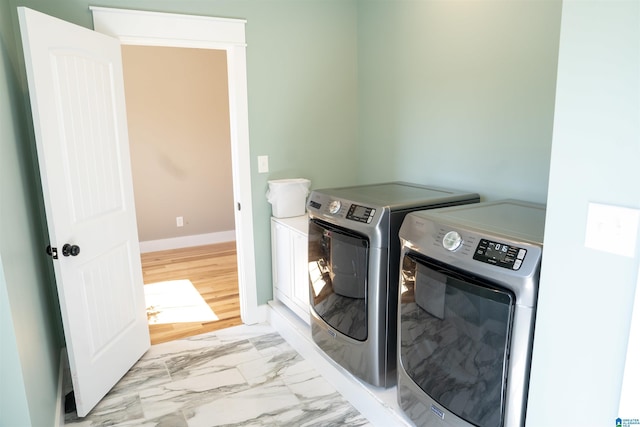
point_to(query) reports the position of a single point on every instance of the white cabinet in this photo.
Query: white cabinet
(289, 240)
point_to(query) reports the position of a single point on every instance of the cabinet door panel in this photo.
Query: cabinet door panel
(289, 249)
(300, 271)
(282, 259)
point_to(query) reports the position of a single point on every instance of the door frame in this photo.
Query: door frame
(143, 28)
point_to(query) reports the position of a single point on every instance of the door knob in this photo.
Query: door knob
(72, 250)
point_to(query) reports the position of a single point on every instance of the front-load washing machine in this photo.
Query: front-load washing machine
(468, 290)
(354, 256)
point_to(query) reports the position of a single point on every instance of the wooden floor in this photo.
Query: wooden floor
(213, 270)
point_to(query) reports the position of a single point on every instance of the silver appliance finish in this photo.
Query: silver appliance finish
(451, 237)
(373, 214)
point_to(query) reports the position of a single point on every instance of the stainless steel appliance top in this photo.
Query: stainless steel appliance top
(397, 195)
(511, 218)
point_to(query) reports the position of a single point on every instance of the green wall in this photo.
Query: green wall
(458, 94)
(302, 89)
(586, 295)
(14, 408)
(30, 321)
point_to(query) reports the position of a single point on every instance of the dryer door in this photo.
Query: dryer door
(455, 332)
(338, 266)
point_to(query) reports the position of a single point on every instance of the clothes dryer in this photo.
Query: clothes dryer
(354, 255)
(468, 291)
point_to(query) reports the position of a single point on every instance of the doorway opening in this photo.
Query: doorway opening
(179, 138)
(141, 28)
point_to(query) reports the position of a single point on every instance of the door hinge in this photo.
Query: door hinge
(52, 252)
(239, 206)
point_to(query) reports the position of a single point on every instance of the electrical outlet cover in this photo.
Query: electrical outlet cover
(612, 229)
(263, 164)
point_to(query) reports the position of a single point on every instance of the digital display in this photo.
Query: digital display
(496, 251)
(499, 254)
(360, 212)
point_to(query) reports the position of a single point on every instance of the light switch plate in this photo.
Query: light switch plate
(612, 229)
(263, 164)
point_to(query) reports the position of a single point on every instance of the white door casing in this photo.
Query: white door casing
(77, 100)
(134, 27)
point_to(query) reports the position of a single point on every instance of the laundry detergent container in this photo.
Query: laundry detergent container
(288, 197)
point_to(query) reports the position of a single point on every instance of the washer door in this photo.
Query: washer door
(454, 338)
(338, 266)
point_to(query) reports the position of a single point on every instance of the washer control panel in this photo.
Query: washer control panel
(361, 213)
(500, 254)
(334, 206)
(487, 251)
(452, 241)
(344, 209)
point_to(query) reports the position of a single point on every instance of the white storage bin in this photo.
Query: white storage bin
(288, 197)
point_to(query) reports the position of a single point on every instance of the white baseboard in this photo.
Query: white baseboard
(258, 314)
(187, 241)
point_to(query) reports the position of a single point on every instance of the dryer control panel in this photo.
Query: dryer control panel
(361, 213)
(345, 209)
(499, 254)
(488, 251)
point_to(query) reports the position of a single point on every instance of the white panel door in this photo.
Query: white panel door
(77, 101)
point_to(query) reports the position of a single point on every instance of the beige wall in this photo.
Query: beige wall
(178, 113)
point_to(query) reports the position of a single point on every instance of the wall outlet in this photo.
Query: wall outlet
(179, 221)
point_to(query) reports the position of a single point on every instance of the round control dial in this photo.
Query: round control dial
(334, 206)
(452, 240)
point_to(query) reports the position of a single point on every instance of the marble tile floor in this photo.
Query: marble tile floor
(241, 376)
